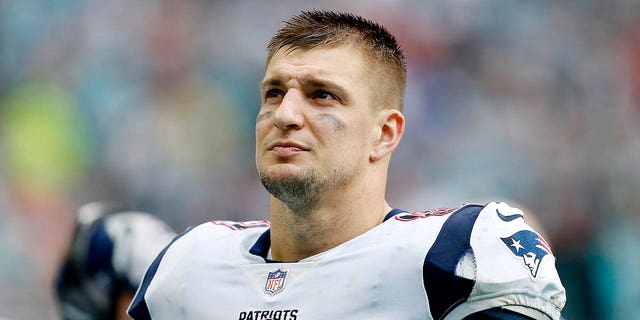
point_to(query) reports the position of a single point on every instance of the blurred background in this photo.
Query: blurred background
(153, 103)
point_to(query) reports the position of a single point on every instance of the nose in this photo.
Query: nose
(288, 115)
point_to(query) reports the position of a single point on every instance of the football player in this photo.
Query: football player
(111, 248)
(331, 116)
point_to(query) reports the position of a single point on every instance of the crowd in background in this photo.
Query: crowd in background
(153, 103)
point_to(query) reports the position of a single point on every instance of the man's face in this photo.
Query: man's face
(315, 126)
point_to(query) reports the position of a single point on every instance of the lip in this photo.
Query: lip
(288, 145)
(286, 149)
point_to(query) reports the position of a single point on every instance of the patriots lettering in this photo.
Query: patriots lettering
(269, 315)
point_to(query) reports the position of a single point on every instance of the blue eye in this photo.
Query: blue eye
(273, 93)
(323, 95)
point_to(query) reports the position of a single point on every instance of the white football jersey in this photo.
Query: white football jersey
(438, 264)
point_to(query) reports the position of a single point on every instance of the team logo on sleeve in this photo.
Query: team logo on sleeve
(530, 246)
(275, 282)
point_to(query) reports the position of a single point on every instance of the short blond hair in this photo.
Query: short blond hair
(311, 29)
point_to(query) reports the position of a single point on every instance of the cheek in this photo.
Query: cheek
(262, 128)
(331, 121)
(352, 139)
(334, 134)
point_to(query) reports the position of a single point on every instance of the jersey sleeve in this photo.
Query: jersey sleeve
(512, 265)
(139, 309)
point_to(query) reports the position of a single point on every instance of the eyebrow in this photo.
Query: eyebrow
(273, 82)
(310, 82)
(320, 83)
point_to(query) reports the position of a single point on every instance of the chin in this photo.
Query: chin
(282, 171)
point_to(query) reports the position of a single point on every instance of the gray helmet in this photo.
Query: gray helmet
(110, 251)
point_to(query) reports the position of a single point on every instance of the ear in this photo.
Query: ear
(387, 133)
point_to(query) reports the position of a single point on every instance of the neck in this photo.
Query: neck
(339, 217)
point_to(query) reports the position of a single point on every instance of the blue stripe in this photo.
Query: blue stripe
(392, 213)
(139, 309)
(444, 289)
(262, 245)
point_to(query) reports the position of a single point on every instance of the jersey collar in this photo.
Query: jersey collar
(263, 244)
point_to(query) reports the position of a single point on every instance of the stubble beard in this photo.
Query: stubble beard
(299, 193)
(302, 193)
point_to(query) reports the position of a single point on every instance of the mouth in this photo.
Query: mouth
(286, 149)
(288, 145)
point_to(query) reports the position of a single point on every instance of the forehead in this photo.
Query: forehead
(342, 64)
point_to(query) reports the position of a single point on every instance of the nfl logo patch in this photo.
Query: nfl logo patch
(275, 282)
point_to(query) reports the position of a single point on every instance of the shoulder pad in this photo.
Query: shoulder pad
(513, 265)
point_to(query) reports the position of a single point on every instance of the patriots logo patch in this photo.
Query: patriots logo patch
(530, 246)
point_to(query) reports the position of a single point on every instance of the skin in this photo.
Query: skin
(317, 120)
(122, 304)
